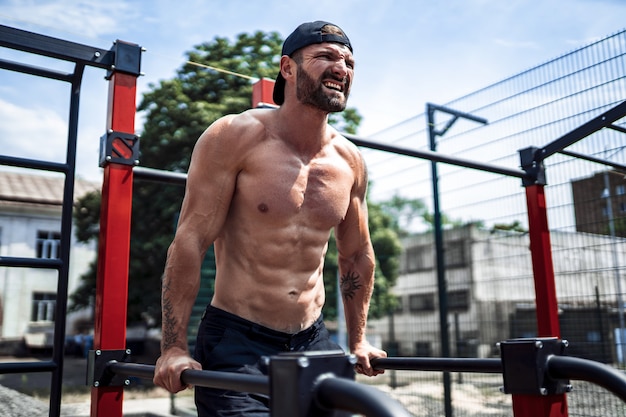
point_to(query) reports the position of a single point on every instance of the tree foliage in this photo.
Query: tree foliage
(176, 112)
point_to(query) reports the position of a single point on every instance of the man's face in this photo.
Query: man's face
(324, 76)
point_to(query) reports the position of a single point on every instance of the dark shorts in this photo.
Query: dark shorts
(228, 343)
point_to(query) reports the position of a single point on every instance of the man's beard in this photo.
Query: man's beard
(311, 92)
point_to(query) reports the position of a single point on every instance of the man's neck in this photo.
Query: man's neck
(304, 126)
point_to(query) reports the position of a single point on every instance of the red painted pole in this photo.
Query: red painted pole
(262, 92)
(113, 252)
(543, 269)
(545, 300)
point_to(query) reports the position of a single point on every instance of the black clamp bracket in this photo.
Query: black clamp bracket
(98, 373)
(525, 366)
(292, 374)
(531, 161)
(127, 59)
(119, 147)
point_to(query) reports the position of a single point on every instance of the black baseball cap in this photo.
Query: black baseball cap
(304, 35)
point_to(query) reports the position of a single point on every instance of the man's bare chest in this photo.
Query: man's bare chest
(317, 192)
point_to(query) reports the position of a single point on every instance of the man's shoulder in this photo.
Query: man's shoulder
(249, 119)
(346, 147)
(250, 124)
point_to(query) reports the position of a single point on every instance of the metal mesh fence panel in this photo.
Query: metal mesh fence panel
(488, 266)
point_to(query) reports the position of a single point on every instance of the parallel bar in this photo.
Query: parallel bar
(212, 379)
(437, 157)
(565, 367)
(344, 394)
(35, 43)
(489, 366)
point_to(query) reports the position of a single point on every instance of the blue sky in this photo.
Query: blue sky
(408, 52)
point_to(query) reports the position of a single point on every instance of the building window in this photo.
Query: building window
(455, 254)
(421, 302)
(423, 349)
(419, 258)
(48, 244)
(620, 189)
(458, 300)
(43, 307)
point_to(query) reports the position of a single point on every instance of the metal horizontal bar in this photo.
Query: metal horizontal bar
(343, 394)
(157, 175)
(33, 70)
(24, 367)
(34, 164)
(213, 379)
(457, 113)
(566, 367)
(440, 364)
(617, 128)
(55, 48)
(593, 159)
(30, 262)
(603, 120)
(436, 157)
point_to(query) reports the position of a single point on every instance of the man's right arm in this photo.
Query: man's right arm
(210, 185)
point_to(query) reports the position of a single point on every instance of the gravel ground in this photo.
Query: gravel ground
(16, 404)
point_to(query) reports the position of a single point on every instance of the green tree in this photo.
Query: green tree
(176, 112)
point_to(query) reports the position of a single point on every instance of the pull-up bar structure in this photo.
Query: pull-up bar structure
(119, 156)
(122, 62)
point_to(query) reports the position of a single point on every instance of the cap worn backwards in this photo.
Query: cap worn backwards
(306, 34)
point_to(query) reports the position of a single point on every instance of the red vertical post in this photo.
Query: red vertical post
(114, 243)
(262, 92)
(545, 300)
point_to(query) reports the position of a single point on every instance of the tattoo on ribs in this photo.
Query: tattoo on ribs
(169, 338)
(349, 284)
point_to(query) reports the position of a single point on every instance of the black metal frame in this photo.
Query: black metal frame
(299, 385)
(121, 57)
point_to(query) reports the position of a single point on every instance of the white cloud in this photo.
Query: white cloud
(36, 133)
(78, 18)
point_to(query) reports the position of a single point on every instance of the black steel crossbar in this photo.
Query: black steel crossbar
(436, 157)
(347, 395)
(42, 263)
(493, 366)
(601, 121)
(23, 367)
(33, 164)
(567, 367)
(151, 174)
(158, 175)
(37, 71)
(55, 48)
(614, 165)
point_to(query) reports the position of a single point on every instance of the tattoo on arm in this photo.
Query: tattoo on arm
(169, 338)
(349, 284)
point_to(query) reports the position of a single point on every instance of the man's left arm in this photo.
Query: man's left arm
(356, 268)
